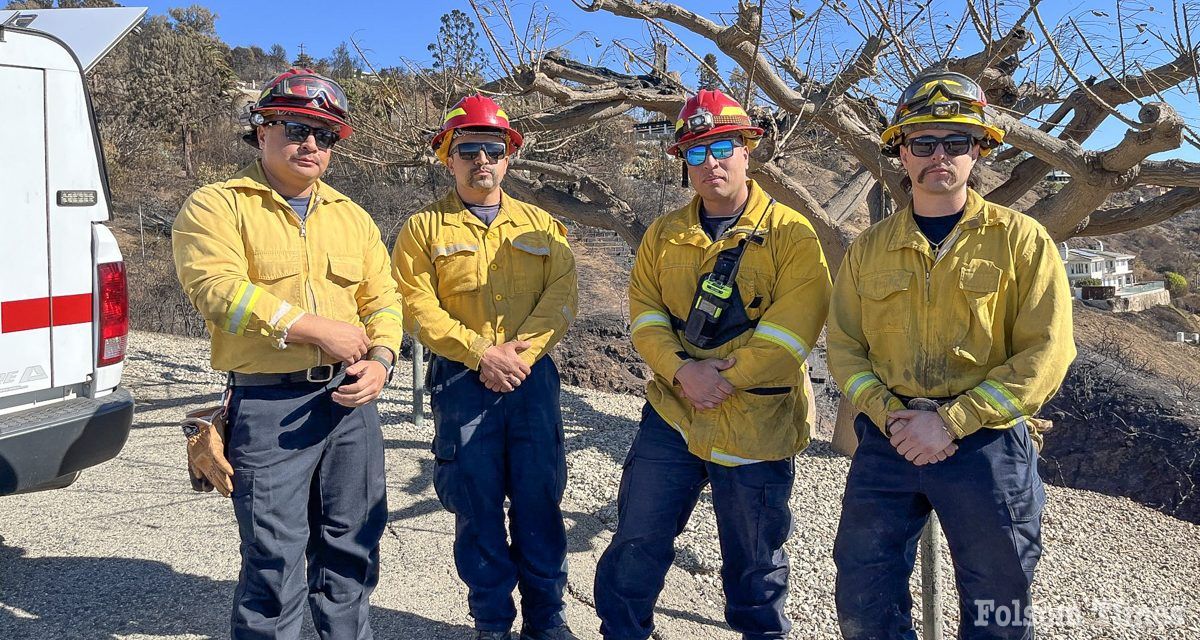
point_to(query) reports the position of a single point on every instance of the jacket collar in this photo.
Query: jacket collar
(684, 227)
(456, 214)
(254, 178)
(906, 234)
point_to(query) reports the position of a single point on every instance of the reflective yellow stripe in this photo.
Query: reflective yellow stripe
(1000, 398)
(237, 308)
(248, 311)
(650, 319)
(860, 382)
(732, 111)
(779, 335)
(386, 310)
(729, 460)
(456, 112)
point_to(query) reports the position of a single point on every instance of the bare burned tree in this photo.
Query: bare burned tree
(824, 70)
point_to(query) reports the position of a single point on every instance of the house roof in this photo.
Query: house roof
(1093, 255)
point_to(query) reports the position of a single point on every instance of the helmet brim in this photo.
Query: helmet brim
(892, 134)
(753, 133)
(442, 141)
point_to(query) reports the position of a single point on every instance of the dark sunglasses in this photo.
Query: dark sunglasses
(955, 144)
(720, 150)
(299, 132)
(470, 150)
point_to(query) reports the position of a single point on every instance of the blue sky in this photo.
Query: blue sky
(391, 32)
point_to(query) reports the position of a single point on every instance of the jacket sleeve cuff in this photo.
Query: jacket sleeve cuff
(285, 325)
(736, 375)
(530, 355)
(959, 422)
(671, 363)
(392, 348)
(475, 352)
(890, 403)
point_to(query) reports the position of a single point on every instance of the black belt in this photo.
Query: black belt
(940, 401)
(317, 375)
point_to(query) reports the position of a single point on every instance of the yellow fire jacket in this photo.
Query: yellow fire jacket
(468, 286)
(252, 268)
(784, 285)
(987, 321)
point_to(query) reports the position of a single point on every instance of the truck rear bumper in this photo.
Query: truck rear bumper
(50, 445)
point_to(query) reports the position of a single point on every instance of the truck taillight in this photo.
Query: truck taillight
(114, 313)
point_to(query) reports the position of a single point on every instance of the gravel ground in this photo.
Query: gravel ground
(130, 552)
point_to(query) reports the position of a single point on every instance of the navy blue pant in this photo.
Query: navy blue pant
(308, 488)
(489, 446)
(989, 499)
(660, 485)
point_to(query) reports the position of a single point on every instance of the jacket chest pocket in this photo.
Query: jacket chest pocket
(279, 272)
(346, 271)
(527, 272)
(677, 281)
(345, 275)
(979, 286)
(756, 279)
(457, 268)
(885, 308)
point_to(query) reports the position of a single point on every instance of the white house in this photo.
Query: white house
(1109, 267)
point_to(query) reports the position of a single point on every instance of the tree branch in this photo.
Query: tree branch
(1170, 173)
(1112, 170)
(602, 208)
(1142, 214)
(852, 194)
(781, 186)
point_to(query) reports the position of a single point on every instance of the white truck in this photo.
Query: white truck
(64, 313)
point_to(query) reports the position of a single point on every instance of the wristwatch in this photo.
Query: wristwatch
(387, 365)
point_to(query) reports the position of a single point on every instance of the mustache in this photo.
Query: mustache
(926, 170)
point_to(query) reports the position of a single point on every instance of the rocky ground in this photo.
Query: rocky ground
(130, 552)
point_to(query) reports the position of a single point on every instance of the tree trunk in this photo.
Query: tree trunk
(188, 169)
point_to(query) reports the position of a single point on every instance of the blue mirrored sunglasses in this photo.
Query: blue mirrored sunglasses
(721, 149)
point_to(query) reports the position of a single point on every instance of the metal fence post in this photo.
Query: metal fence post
(418, 383)
(931, 588)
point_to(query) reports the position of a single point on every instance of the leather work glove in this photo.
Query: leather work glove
(207, 464)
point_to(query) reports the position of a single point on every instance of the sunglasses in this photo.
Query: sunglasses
(299, 132)
(470, 150)
(721, 149)
(956, 144)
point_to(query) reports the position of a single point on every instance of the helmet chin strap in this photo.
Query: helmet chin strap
(684, 180)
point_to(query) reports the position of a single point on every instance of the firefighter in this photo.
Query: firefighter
(489, 286)
(294, 284)
(727, 296)
(962, 307)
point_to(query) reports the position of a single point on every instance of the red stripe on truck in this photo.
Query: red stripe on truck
(74, 309)
(23, 315)
(36, 313)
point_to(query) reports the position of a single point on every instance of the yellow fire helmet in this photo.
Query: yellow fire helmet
(942, 98)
